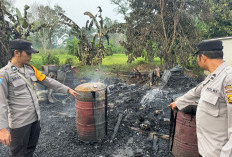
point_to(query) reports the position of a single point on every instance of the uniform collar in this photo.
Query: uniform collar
(218, 70)
(10, 65)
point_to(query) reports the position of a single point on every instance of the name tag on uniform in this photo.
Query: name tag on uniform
(212, 90)
(16, 78)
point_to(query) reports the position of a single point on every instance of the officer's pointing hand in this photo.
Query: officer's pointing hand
(5, 137)
(173, 105)
(73, 92)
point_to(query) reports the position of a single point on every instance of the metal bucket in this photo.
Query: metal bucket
(184, 143)
(91, 112)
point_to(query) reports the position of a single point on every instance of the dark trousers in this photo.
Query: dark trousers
(24, 140)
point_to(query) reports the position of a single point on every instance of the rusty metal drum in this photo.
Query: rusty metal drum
(91, 116)
(185, 139)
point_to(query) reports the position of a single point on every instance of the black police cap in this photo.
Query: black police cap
(209, 45)
(20, 44)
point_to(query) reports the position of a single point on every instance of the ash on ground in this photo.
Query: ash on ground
(143, 131)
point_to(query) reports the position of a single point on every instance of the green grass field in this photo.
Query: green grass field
(115, 63)
(119, 62)
(116, 59)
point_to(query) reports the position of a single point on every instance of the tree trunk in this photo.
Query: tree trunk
(169, 61)
(43, 41)
(50, 44)
(50, 41)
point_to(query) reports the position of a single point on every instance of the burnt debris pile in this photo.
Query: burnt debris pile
(137, 121)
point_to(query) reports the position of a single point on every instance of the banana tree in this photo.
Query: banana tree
(83, 45)
(21, 27)
(91, 52)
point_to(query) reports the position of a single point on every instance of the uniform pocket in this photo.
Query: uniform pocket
(18, 83)
(210, 103)
(19, 87)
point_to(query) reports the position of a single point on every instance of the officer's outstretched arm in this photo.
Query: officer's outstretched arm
(190, 97)
(53, 84)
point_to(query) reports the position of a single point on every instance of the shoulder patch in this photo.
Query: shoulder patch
(38, 74)
(1, 78)
(228, 87)
(229, 99)
(228, 91)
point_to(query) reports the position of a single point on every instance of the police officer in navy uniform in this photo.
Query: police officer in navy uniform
(19, 107)
(214, 111)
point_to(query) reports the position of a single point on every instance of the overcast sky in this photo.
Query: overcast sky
(75, 8)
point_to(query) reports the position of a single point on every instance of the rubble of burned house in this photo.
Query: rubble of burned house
(138, 119)
(64, 75)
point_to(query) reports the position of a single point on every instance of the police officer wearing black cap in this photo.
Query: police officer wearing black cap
(19, 107)
(214, 111)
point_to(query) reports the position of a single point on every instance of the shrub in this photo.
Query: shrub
(72, 46)
(50, 59)
(69, 61)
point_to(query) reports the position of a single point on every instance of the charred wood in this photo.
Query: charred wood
(117, 126)
(155, 146)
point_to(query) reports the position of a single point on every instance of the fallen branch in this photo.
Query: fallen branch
(163, 136)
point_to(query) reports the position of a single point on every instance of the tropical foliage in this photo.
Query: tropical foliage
(72, 46)
(21, 27)
(168, 29)
(220, 19)
(50, 59)
(91, 50)
(163, 28)
(5, 33)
